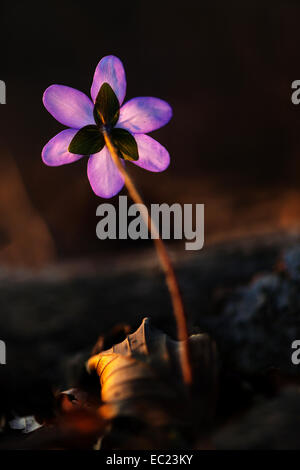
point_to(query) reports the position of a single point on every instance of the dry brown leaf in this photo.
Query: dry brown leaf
(140, 379)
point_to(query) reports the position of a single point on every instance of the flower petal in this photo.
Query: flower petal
(104, 176)
(152, 155)
(110, 70)
(56, 152)
(144, 114)
(68, 106)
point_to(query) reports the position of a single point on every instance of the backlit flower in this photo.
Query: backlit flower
(127, 125)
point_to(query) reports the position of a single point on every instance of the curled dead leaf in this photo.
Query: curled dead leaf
(140, 380)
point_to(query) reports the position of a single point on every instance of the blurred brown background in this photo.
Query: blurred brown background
(225, 67)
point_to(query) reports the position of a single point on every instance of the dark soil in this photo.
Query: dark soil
(245, 294)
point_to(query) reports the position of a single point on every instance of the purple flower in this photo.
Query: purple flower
(132, 121)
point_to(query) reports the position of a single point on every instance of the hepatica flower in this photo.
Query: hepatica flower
(88, 119)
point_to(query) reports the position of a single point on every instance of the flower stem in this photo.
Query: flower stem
(166, 264)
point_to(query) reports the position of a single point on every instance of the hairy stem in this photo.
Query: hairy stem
(166, 264)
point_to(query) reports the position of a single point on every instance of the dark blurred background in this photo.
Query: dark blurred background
(225, 67)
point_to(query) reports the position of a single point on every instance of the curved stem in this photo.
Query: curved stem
(167, 266)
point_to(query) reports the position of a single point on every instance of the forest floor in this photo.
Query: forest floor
(244, 293)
